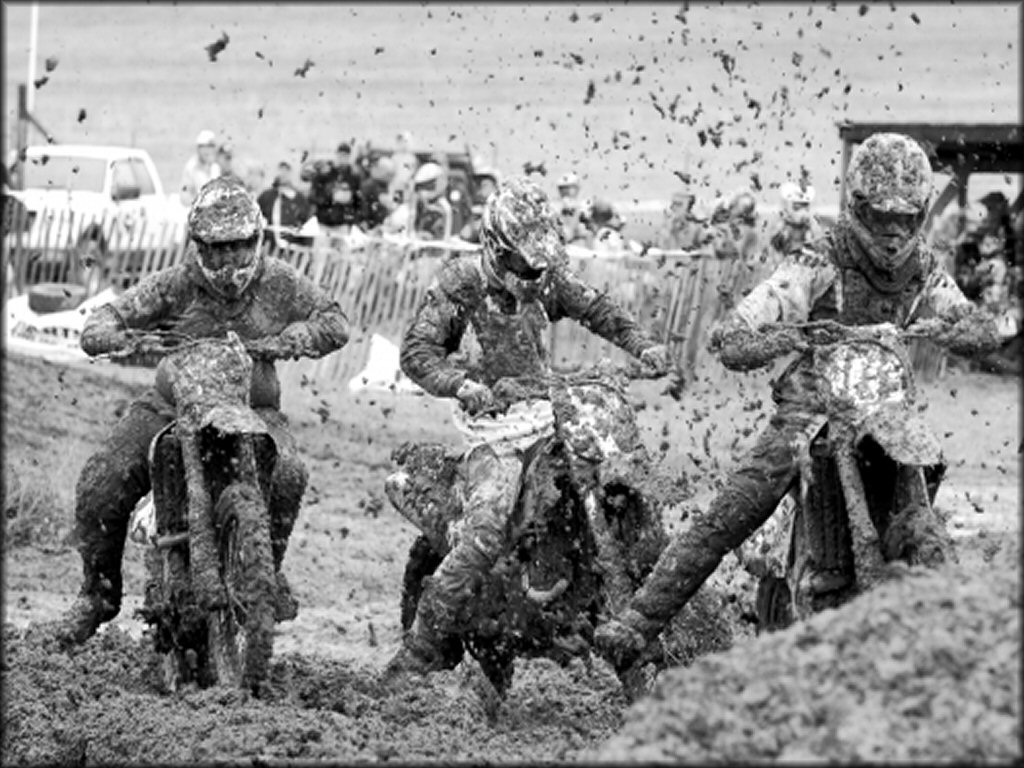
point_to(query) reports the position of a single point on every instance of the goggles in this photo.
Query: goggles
(888, 222)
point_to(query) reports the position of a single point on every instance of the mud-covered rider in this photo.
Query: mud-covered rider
(223, 284)
(872, 268)
(506, 295)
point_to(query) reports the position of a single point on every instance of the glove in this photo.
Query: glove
(655, 359)
(619, 644)
(103, 333)
(293, 342)
(296, 341)
(743, 349)
(475, 397)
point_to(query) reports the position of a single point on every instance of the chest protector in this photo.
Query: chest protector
(511, 338)
(861, 295)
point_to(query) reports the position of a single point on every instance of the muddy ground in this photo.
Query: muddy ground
(102, 703)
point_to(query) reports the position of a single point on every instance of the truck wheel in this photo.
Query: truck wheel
(55, 297)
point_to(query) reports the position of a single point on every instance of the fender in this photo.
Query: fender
(903, 434)
(231, 420)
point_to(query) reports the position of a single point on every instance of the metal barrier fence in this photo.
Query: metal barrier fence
(379, 282)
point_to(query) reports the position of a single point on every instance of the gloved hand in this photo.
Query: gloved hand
(655, 359)
(618, 643)
(475, 397)
(293, 342)
(103, 333)
(741, 348)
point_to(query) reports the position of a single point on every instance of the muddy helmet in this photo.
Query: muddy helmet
(226, 225)
(521, 237)
(888, 190)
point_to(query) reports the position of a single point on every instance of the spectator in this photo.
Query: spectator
(432, 213)
(486, 183)
(681, 230)
(606, 227)
(333, 188)
(405, 167)
(798, 225)
(998, 224)
(284, 207)
(225, 156)
(255, 179)
(376, 201)
(455, 192)
(734, 226)
(200, 168)
(572, 210)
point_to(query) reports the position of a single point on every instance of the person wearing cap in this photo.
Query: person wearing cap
(376, 202)
(432, 217)
(283, 206)
(333, 188)
(225, 160)
(224, 284)
(507, 295)
(485, 182)
(798, 226)
(606, 227)
(572, 210)
(200, 168)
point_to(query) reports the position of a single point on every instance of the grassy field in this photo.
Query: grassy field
(512, 81)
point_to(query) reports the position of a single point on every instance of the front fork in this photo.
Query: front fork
(836, 544)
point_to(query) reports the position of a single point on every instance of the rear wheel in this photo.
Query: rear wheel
(241, 633)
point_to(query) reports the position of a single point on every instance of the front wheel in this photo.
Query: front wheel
(241, 633)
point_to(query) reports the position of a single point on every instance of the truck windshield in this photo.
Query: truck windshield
(85, 174)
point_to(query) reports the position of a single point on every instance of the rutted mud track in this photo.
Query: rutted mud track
(926, 668)
(103, 704)
(951, 640)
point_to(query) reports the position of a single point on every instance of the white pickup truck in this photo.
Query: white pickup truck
(95, 199)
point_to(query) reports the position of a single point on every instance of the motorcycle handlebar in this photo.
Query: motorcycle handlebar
(829, 332)
(164, 342)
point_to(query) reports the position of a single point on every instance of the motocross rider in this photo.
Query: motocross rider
(872, 268)
(507, 294)
(223, 284)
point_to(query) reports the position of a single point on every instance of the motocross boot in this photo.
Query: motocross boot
(916, 535)
(288, 485)
(98, 601)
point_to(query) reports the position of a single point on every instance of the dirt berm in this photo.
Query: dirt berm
(925, 668)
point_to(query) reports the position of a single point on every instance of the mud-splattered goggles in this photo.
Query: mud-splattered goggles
(888, 222)
(235, 254)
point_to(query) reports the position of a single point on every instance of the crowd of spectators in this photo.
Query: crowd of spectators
(397, 191)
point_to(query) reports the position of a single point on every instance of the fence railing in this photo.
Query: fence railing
(379, 282)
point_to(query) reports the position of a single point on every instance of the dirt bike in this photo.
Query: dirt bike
(210, 583)
(585, 531)
(869, 472)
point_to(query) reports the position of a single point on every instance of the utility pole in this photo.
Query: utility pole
(33, 42)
